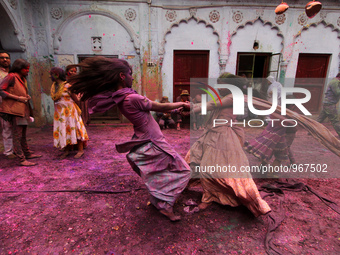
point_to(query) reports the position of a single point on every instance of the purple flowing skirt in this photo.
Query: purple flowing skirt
(164, 175)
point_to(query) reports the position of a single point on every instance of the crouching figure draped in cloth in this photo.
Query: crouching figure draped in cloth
(164, 172)
(222, 145)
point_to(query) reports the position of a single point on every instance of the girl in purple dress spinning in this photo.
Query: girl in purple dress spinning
(108, 83)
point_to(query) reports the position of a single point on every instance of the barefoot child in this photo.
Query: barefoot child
(164, 172)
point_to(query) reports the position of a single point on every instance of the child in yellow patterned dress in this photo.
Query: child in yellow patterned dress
(68, 126)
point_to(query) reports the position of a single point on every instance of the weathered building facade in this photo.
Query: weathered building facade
(169, 42)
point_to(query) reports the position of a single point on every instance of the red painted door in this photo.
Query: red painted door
(189, 64)
(311, 74)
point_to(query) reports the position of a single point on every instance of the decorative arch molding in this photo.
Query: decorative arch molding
(17, 28)
(176, 24)
(264, 22)
(57, 38)
(315, 24)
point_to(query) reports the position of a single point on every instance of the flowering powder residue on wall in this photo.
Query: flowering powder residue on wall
(151, 80)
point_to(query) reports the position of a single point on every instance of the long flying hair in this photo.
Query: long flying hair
(59, 71)
(97, 75)
(18, 65)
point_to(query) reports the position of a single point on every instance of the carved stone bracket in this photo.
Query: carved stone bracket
(193, 12)
(259, 13)
(13, 4)
(96, 43)
(223, 63)
(23, 44)
(323, 15)
(94, 7)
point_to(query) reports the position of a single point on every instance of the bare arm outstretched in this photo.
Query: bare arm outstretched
(166, 107)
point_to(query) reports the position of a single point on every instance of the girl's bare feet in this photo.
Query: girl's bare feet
(64, 155)
(202, 206)
(27, 163)
(79, 154)
(170, 214)
(80, 149)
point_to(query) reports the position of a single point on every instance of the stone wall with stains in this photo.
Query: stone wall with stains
(151, 79)
(39, 89)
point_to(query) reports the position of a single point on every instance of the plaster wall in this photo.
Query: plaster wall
(76, 38)
(317, 39)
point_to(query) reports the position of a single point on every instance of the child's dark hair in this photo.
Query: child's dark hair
(97, 75)
(59, 71)
(18, 65)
